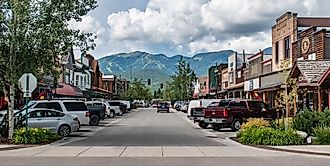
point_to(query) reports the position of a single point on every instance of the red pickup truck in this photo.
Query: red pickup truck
(235, 113)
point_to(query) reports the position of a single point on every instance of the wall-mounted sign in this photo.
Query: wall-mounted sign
(305, 44)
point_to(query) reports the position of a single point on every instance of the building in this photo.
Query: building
(236, 65)
(115, 85)
(201, 87)
(311, 57)
(284, 34)
(215, 80)
(224, 83)
(252, 73)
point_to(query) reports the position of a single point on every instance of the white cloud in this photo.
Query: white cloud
(191, 26)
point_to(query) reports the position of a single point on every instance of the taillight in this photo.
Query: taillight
(225, 113)
(87, 114)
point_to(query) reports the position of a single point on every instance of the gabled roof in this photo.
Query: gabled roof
(311, 70)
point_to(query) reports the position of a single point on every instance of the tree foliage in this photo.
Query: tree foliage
(287, 98)
(138, 91)
(33, 34)
(180, 86)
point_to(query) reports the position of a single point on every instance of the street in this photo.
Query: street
(144, 137)
(148, 128)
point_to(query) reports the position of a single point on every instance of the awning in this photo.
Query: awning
(236, 86)
(68, 90)
(268, 88)
(101, 90)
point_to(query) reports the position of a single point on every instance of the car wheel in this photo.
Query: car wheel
(216, 127)
(120, 113)
(112, 114)
(64, 130)
(235, 125)
(203, 125)
(94, 120)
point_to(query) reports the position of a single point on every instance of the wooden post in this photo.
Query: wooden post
(319, 99)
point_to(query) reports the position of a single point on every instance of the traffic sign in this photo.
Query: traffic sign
(28, 83)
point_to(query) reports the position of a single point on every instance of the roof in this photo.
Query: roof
(311, 70)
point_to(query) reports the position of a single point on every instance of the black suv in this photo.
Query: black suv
(163, 106)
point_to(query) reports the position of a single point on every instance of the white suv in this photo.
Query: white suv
(72, 107)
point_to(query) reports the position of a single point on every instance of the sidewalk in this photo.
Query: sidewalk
(304, 149)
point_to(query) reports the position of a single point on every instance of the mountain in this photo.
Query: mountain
(158, 67)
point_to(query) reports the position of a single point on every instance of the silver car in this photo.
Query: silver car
(58, 122)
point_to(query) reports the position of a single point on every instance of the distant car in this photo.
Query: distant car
(58, 122)
(115, 105)
(163, 106)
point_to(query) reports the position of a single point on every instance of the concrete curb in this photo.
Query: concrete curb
(281, 149)
(17, 147)
(292, 151)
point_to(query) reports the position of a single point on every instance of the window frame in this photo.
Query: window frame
(287, 47)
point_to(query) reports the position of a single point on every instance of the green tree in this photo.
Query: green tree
(180, 87)
(138, 91)
(33, 34)
(287, 98)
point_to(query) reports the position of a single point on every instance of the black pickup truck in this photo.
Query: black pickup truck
(96, 114)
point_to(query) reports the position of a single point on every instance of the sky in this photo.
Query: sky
(187, 27)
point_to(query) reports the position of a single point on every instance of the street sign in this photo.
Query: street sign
(28, 83)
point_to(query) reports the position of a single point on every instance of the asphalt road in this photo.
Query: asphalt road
(148, 128)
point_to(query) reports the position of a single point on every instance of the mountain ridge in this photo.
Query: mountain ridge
(158, 67)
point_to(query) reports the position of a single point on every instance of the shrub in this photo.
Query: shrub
(34, 136)
(322, 135)
(308, 120)
(269, 136)
(255, 123)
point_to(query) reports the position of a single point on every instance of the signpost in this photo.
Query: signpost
(28, 83)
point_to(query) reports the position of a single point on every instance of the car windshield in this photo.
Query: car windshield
(224, 103)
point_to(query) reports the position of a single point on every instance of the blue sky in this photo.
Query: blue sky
(188, 27)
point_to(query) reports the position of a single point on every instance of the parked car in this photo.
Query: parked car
(72, 107)
(163, 106)
(139, 103)
(184, 107)
(110, 113)
(96, 114)
(202, 103)
(128, 104)
(233, 113)
(115, 105)
(58, 122)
